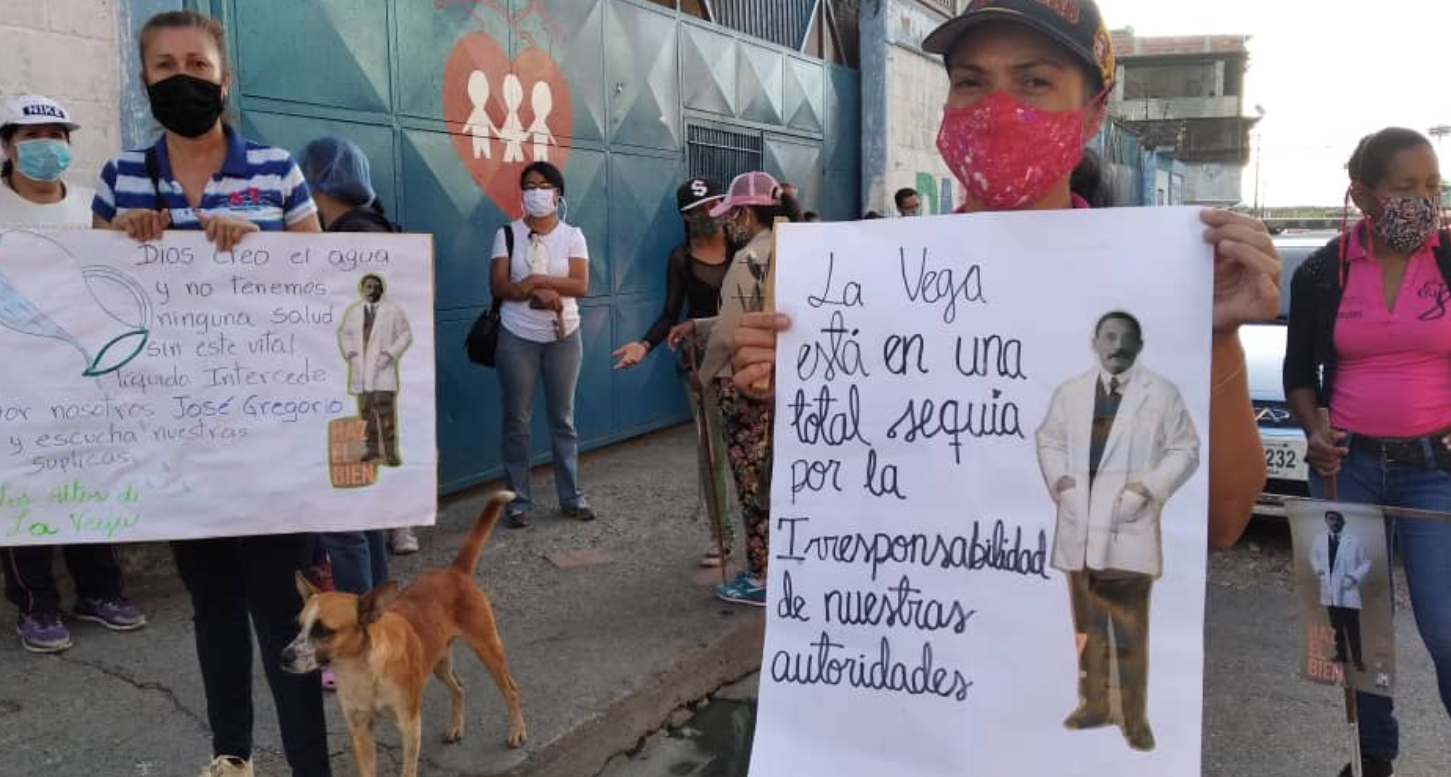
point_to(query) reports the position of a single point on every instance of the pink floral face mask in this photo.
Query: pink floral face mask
(1404, 223)
(1007, 154)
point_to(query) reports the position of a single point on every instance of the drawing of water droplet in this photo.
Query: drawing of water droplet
(98, 310)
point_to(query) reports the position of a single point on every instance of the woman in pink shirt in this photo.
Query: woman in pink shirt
(1368, 376)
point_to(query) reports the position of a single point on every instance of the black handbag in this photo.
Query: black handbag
(483, 341)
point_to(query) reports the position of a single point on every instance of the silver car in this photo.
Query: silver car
(1264, 348)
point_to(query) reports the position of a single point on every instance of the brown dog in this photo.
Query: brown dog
(383, 646)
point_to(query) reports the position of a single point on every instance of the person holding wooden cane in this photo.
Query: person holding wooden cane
(753, 204)
(1368, 376)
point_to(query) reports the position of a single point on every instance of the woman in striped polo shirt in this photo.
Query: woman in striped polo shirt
(202, 174)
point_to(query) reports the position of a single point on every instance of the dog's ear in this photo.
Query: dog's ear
(372, 604)
(305, 588)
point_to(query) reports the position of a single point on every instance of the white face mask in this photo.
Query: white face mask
(539, 203)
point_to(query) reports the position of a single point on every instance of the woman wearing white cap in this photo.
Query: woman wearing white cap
(35, 133)
(751, 207)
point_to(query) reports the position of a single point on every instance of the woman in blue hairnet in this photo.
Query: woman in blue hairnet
(337, 172)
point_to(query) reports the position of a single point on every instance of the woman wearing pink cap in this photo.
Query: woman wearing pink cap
(752, 205)
(1028, 85)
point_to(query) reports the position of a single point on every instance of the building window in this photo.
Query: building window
(721, 153)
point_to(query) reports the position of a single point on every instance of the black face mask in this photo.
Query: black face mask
(701, 227)
(186, 105)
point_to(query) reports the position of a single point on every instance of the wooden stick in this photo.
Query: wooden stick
(1352, 714)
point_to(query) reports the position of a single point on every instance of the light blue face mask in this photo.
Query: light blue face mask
(44, 159)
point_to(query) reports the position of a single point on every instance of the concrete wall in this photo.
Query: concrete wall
(1212, 184)
(67, 50)
(903, 91)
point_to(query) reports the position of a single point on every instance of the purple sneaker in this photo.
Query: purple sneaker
(115, 613)
(43, 632)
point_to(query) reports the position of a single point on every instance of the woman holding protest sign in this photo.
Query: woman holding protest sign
(751, 207)
(35, 135)
(1368, 379)
(1028, 85)
(203, 175)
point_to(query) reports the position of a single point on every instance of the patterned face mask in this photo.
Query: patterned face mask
(1008, 154)
(1404, 224)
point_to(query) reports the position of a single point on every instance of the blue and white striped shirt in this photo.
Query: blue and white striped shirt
(259, 183)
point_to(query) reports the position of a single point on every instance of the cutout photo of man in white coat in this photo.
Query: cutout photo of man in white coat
(1341, 562)
(373, 336)
(1117, 443)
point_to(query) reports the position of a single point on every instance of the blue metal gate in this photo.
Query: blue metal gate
(640, 82)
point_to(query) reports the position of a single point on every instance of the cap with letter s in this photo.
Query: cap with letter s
(32, 109)
(1076, 25)
(698, 191)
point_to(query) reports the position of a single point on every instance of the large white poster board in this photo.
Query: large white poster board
(168, 391)
(940, 374)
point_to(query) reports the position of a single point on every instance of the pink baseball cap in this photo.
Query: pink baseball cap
(756, 188)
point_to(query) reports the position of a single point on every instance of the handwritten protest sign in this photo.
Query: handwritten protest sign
(1343, 584)
(167, 391)
(987, 552)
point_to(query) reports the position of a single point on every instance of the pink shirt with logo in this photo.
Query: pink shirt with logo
(1394, 374)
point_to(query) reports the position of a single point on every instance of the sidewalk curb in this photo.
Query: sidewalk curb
(587, 749)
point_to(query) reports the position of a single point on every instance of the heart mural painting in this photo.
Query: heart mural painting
(503, 115)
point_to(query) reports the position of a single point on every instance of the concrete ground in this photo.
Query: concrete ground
(606, 653)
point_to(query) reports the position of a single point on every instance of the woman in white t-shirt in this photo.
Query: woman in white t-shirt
(539, 284)
(35, 135)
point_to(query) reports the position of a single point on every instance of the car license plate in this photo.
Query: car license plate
(1285, 460)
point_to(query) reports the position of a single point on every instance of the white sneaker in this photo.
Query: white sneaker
(402, 541)
(228, 766)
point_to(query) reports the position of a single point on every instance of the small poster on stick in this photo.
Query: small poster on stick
(1343, 583)
(987, 550)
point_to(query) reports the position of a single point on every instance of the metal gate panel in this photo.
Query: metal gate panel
(594, 417)
(708, 70)
(573, 33)
(647, 225)
(648, 395)
(442, 199)
(586, 181)
(292, 132)
(643, 77)
(426, 34)
(803, 95)
(758, 81)
(798, 161)
(842, 195)
(284, 48)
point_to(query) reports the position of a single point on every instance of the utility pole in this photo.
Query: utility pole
(1259, 147)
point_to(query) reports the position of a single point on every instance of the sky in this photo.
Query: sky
(1326, 73)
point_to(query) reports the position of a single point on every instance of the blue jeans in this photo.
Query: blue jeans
(360, 559)
(1425, 551)
(520, 364)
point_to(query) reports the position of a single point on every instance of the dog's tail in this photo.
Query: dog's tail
(468, 555)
